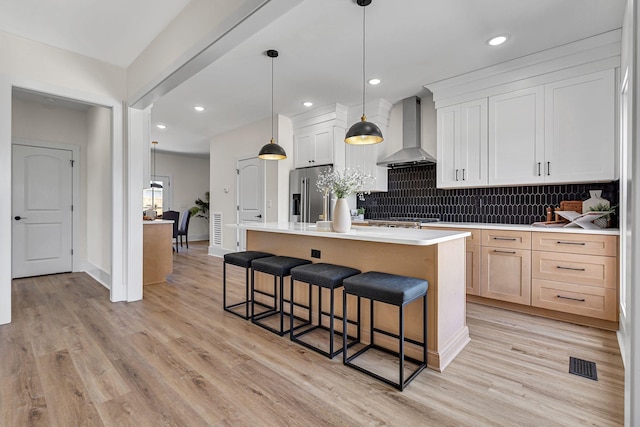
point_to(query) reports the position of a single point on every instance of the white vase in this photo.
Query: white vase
(594, 201)
(341, 216)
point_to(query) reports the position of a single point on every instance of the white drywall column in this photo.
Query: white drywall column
(137, 148)
(5, 208)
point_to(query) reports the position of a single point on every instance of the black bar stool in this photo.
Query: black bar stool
(278, 267)
(394, 290)
(327, 276)
(240, 259)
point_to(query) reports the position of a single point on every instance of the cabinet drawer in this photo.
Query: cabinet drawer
(588, 244)
(591, 301)
(584, 269)
(507, 239)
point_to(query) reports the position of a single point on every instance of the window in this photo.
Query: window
(158, 197)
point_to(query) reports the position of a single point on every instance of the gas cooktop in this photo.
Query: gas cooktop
(408, 219)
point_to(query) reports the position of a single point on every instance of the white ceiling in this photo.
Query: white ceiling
(409, 43)
(113, 31)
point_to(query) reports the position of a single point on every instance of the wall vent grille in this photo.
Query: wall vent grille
(216, 239)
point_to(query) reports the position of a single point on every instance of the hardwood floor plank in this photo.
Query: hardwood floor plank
(71, 357)
(67, 400)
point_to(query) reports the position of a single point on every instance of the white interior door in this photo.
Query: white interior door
(250, 194)
(42, 197)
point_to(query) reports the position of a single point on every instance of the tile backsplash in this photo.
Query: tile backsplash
(413, 193)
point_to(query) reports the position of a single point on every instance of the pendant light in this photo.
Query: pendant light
(272, 151)
(363, 132)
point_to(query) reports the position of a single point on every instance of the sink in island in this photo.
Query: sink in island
(435, 255)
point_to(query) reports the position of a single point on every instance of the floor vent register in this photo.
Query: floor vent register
(583, 368)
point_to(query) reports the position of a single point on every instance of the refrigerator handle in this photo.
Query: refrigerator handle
(303, 202)
(308, 199)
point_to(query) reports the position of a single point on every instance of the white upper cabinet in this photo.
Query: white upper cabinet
(580, 128)
(551, 118)
(516, 137)
(318, 137)
(462, 145)
(314, 147)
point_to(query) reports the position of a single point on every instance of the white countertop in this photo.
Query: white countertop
(403, 236)
(158, 221)
(521, 227)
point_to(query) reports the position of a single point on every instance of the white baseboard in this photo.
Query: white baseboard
(101, 276)
(217, 251)
(198, 237)
(621, 333)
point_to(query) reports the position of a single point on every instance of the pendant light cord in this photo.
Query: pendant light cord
(271, 99)
(364, 23)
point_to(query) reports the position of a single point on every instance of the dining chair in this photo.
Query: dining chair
(175, 217)
(183, 230)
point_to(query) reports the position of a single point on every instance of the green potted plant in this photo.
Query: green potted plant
(361, 214)
(201, 209)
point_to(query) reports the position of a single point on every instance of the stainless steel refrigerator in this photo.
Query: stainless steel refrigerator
(305, 201)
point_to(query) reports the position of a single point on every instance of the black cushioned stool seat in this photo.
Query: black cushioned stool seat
(241, 259)
(394, 290)
(327, 276)
(279, 267)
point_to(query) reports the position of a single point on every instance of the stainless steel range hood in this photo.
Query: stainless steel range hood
(411, 152)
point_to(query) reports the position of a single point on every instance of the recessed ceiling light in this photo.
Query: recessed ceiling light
(198, 108)
(161, 126)
(374, 82)
(307, 103)
(497, 40)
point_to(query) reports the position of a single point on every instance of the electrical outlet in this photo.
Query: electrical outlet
(315, 253)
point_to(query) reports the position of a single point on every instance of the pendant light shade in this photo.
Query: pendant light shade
(272, 151)
(363, 132)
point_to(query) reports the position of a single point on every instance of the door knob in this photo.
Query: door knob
(18, 217)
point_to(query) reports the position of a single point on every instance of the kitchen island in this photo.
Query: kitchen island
(157, 251)
(435, 255)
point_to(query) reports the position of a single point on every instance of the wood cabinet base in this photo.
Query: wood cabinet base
(157, 249)
(438, 264)
(550, 314)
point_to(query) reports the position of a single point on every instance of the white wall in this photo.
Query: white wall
(189, 181)
(629, 333)
(98, 200)
(41, 68)
(243, 143)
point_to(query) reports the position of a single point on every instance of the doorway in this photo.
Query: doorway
(42, 210)
(250, 190)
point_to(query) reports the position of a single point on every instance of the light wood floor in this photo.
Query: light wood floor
(72, 358)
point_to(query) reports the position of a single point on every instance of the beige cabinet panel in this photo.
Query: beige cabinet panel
(575, 268)
(587, 244)
(507, 239)
(506, 274)
(473, 269)
(591, 301)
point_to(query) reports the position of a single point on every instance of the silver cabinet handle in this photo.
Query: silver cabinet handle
(504, 252)
(570, 268)
(570, 243)
(456, 174)
(570, 298)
